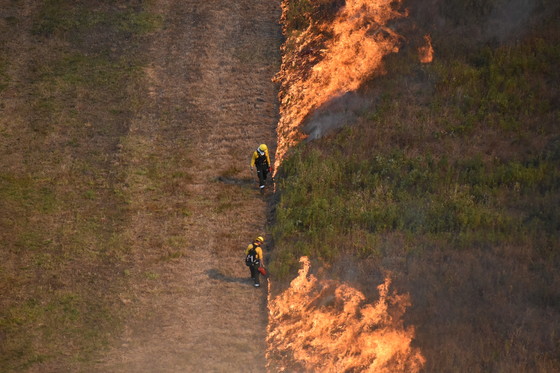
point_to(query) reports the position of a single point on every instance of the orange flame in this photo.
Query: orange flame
(315, 70)
(426, 52)
(324, 326)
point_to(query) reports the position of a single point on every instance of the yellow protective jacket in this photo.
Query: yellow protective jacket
(258, 250)
(256, 155)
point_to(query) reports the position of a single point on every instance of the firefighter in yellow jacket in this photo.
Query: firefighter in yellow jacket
(254, 259)
(261, 160)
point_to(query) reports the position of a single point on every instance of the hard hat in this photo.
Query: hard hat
(259, 239)
(263, 147)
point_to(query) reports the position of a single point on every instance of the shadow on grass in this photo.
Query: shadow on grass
(236, 181)
(248, 184)
(217, 275)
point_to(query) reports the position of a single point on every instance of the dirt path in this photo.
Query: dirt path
(209, 102)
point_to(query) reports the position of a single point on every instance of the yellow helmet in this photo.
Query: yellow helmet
(259, 239)
(262, 148)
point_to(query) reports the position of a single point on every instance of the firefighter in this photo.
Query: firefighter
(261, 160)
(254, 259)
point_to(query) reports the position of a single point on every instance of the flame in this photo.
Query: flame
(426, 52)
(316, 69)
(324, 326)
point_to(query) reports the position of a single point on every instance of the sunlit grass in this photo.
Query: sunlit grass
(63, 198)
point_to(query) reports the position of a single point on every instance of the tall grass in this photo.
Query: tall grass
(465, 201)
(449, 179)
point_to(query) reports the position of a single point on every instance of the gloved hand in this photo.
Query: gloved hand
(270, 169)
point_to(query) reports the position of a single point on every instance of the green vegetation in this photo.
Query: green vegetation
(62, 18)
(504, 87)
(62, 195)
(449, 180)
(328, 196)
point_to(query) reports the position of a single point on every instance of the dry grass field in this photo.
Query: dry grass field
(126, 199)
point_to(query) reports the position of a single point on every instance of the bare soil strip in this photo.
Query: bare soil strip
(208, 102)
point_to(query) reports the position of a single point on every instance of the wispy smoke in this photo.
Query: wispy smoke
(509, 19)
(334, 114)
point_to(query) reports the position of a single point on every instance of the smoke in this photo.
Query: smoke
(505, 20)
(509, 19)
(462, 25)
(347, 52)
(334, 114)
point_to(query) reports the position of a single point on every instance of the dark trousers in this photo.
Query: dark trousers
(262, 172)
(255, 274)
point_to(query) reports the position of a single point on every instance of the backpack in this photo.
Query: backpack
(251, 258)
(261, 160)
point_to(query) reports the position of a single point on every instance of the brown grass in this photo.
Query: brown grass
(121, 249)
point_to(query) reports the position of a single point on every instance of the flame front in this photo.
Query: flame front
(315, 70)
(325, 326)
(426, 52)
